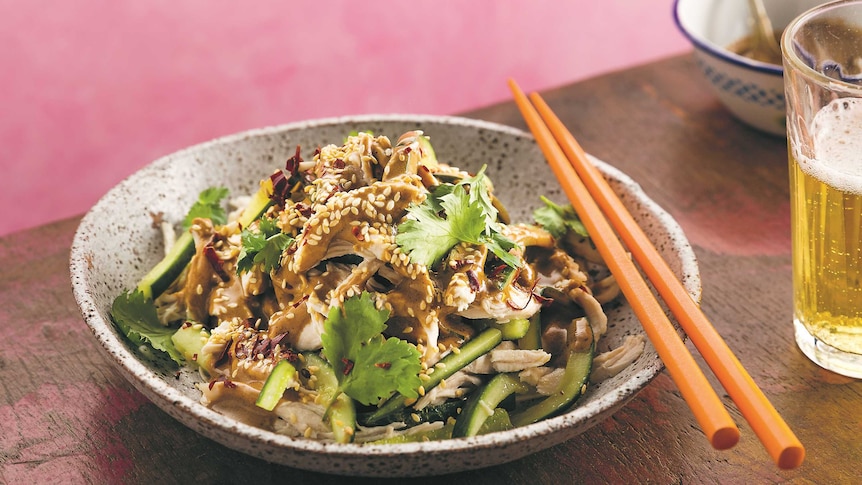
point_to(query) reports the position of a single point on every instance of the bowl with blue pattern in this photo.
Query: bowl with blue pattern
(752, 90)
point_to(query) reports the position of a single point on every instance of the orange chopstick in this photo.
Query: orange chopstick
(707, 408)
(767, 424)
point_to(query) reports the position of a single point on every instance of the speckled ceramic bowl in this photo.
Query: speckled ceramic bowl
(752, 91)
(115, 245)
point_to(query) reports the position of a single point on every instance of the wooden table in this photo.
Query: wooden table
(68, 416)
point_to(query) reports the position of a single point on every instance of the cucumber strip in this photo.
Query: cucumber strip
(189, 340)
(282, 375)
(160, 277)
(168, 269)
(326, 383)
(482, 403)
(448, 365)
(514, 329)
(532, 340)
(412, 417)
(342, 418)
(498, 421)
(442, 433)
(260, 201)
(574, 384)
(340, 408)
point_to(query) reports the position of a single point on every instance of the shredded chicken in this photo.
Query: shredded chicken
(611, 363)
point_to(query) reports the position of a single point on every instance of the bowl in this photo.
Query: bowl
(753, 91)
(115, 245)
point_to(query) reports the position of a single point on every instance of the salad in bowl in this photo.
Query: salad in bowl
(369, 292)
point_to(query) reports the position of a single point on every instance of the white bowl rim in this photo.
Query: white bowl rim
(722, 53)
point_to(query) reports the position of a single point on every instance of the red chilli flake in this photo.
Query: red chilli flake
(290, 250)
(216, 262)
(292, 164)
(357, 233)
(383, 365)
(262, 347)
(303, 209)
(348, 365)
(497, 270)
(289, 355)
(227, 382)
(543, 300)
(473, 278)
(280, 187)
(512, 305)
(300, 302)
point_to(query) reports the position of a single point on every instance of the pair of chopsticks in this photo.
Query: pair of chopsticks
(587, 190)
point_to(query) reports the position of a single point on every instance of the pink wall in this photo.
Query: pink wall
(92, 90)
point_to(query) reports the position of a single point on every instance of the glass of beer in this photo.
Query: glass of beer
(822, 56)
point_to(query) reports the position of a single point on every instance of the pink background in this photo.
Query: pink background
(92, 90)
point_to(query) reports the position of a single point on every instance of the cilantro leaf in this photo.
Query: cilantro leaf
(480, 194)
(558, 220)
(500, 246)
(368, 366)
(263, 246)
(208, 206)
(452, 214)
(378, 361)
(428, 237)
(136, 318)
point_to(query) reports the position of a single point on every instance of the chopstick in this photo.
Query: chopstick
(776, 436)
(707, 408)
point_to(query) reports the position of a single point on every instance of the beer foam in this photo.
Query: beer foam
(837, 146)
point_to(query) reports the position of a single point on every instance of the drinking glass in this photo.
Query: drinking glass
(822, 56)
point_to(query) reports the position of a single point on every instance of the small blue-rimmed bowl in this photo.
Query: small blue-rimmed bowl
(753, 91)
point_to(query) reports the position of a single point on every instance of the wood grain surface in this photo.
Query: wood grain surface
(67, 416)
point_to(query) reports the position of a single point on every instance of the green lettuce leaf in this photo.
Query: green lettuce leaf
(136, 318)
